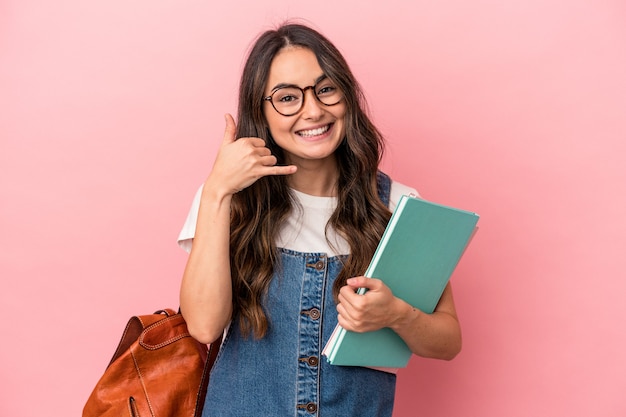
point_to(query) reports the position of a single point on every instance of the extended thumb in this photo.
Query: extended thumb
(231, 128)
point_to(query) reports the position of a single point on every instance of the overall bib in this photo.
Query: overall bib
(284, 373)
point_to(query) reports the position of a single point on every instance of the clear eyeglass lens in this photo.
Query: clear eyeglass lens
(289, 100)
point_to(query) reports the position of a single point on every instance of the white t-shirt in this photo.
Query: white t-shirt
(304, 228)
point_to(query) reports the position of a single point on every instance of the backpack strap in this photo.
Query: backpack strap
(383, 182)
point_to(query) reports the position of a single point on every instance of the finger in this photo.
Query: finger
(280, 170)
(363, 282)
(345, 311)
(264, 151)
(230, 130)
(349, 299)
(257, 143)
(344, 322)
(267, 160)
(342, 314)
(349, 318)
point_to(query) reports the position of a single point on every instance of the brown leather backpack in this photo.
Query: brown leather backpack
(158, 370)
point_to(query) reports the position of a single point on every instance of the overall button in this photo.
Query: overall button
(315, 313)
(310, 407)
(319, 265)
(311, 360)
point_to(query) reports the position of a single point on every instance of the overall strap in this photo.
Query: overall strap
(383, 183)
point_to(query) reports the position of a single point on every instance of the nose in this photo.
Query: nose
(311, 107)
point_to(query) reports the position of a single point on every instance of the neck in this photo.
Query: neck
(316, 180)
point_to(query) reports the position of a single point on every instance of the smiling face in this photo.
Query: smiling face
(314, 133)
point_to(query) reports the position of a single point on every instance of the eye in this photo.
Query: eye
(287, 96)
(326, 90)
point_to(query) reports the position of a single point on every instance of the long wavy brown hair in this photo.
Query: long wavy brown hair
(258, 211)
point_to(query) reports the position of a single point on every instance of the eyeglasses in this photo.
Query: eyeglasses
(289, 99)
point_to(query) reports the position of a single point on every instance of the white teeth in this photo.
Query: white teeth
(314, 132)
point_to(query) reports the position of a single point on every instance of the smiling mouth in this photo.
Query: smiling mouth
(314, 132)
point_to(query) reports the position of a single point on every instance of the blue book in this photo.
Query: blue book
(415, 258)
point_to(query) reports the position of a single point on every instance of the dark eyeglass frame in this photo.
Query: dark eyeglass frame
(303, 90)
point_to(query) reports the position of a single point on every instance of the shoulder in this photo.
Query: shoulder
(398, 190)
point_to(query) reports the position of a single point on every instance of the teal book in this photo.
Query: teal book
(415, 258)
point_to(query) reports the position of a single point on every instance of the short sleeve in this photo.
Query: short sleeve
(185, 237)
(397, 191)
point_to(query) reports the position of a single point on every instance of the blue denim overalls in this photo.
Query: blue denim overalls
(284, 374)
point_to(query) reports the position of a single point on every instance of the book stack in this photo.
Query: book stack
(415, 258)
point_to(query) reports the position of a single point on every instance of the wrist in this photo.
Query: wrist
(405, 315)
(213, 191)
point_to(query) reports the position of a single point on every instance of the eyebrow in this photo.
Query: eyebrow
(285, 85)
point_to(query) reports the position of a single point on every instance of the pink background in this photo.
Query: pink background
(111, 113)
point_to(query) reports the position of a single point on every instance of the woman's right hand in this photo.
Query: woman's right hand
(240, 162)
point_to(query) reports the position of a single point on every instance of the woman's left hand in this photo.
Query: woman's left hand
(436, 335)
(366, 312)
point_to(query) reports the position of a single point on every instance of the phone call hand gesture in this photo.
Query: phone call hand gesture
(240, 162)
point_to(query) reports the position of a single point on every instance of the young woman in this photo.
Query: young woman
(283, 229)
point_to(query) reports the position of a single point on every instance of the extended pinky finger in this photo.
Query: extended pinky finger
(281, 169)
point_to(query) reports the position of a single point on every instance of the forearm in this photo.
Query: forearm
(206, 289)
(436, 335)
